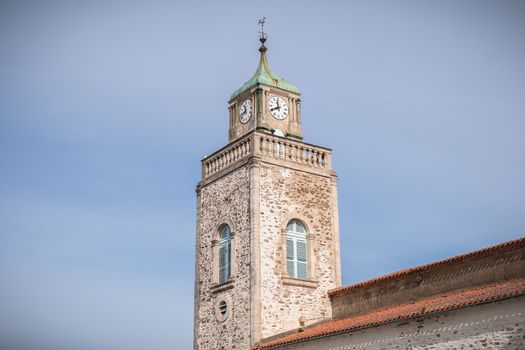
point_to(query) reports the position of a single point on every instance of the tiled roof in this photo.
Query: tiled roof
(438, 303)
(492, 250)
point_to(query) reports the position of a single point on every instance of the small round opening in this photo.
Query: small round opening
(223, 307)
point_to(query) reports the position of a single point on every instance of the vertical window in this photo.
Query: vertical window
(296, 250)
(225, 254)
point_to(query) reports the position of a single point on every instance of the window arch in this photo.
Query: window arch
(225, 242)
(296, 250)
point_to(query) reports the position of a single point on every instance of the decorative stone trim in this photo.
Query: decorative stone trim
(217, 288)
(311, 242)
(223, 307)
(299, 282)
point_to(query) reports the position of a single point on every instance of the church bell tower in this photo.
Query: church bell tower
(267, 238)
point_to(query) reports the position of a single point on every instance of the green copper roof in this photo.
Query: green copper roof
(264, 75)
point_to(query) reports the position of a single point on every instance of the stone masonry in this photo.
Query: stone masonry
(292, 194)
(470, 301)
(257, 184)
(263, 178)
(226, 200)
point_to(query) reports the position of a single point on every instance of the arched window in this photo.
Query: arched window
(296, 250)
(225, 254)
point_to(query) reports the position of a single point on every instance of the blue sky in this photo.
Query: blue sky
(107, 107)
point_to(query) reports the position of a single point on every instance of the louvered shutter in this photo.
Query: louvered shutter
(290, 265)
(296, 250)
(228, 260)
(301, 260)
(224, 262)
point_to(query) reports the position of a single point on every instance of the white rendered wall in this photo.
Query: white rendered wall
(498, 325)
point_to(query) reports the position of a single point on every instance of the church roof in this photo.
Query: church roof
(438, 303)
(413, 271)
(264, 75)
(494, 273)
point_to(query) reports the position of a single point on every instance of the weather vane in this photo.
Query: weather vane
(262, 37)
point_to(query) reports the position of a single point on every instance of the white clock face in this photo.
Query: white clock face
(278, 107)
(245, 113)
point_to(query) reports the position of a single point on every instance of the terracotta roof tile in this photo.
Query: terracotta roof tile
(492, 250)
(443, 302)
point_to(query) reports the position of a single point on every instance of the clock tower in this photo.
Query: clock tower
(267, 238)
(266, 103)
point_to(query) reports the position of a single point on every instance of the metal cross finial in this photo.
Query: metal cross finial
(262, 36)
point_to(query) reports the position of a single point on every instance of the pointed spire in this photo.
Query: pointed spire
(263, 74)
(263, 62)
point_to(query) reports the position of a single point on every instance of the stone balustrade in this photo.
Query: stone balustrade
(226, 156)
(267, 146)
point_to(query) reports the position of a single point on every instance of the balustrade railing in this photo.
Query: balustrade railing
(298, 152)
(264, 145)
(227, 156)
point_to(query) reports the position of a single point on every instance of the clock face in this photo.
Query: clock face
(245, 113)
(278, 107)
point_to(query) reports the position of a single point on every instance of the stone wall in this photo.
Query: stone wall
(497, 325)
(224, 200)
(256, 185)
(287, 193)
(490, 265)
